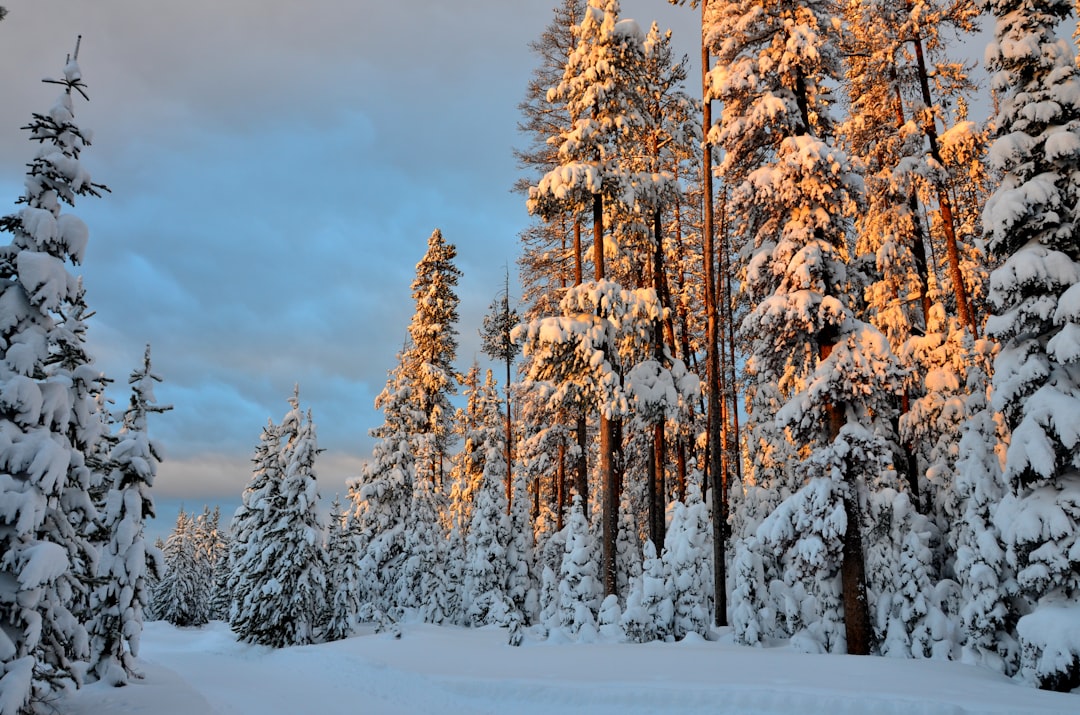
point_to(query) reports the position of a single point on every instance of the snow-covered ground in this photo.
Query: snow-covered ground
(455, 670)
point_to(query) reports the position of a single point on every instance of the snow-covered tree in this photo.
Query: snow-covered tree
(551, 257)
(382, 496)
(342, 575)
(601, 96)
(520, 586)
(987, 581)
(477, 424)
(257, 501)
(832, 374)
(49, 418)
(428, 361)
(425, 591)
(580, 588)
(1032, 222)
(497, 341)
(283, 566)
(211, 547)
(687, 560)
(220, 596)
(577, 352)
(122, 596)
(180, 597)
(487, 565)
(649, 611)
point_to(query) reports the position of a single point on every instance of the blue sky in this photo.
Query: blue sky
(276, 170)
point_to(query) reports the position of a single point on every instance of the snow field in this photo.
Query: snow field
(435, 669)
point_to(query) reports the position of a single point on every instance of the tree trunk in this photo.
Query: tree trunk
(963, 303)
(857, 629)
(609, 473)
(509, 448)
(658, 450)
(712, 340)
(560, 486)
(581, 472)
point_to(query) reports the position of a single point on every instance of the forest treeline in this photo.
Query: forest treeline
(795, 354)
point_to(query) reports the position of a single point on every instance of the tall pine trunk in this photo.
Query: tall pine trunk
(712, 358)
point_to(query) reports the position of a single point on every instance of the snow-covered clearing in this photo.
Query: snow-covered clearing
(434, 669)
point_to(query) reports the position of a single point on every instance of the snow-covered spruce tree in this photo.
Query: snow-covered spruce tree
(833, 373)
(477, 424)
(649, 611)
(486, 563)
(425, 591)
(220, 596)
(428, 361)
(284, 562)
(210, 547)
(687, 560)
(580, 588)
(48, 418)
(549, 600)
(382, 497)
(122, 595)
(216, 541)
(987, 581)
(179, 597)
(342, 575)
(520, 586)
(498, 343)
(1033, 223)
(257, 501)
(415, 438)
(633, 507)
(912, 607)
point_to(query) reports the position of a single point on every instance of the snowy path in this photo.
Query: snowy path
(450, 670)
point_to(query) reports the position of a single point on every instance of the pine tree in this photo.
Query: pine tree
(342, 576)
(284, 562)
(498, 343)
(1031, 222)
(425, 590)
(428, 362)
(649, 610)
(124, 564)
(382, 497)
(833, 373)
(580, 587)
(258, 501)
(179, 597)
(48, 418)
(601, 98)
(687, 560)
(552, 254)
(487, 565)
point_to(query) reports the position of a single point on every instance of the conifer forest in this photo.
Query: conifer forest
(796, 355)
